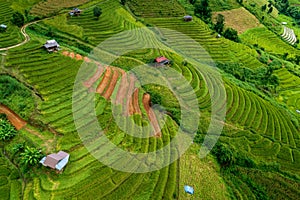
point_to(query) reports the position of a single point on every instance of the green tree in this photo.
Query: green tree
(264, 7)
(240, 1)
(219, 26)
(231, 34)
(7, 131)
(123, 2)
(97, 12)
(18, 19)
(202, 10)
(31, 156)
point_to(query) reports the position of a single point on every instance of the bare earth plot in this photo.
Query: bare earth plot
(240, 19)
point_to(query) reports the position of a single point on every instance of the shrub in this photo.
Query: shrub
(231, 34)
(7, 131)
(31, 156)
(18, 19)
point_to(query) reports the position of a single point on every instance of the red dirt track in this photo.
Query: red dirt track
(104, 82)
(135, 102)
(14, 119)
(122, 90)
(129, 106)
(151, 115)
(112, 84)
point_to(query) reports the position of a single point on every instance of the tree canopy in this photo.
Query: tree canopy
(18, 19)
(97, 12)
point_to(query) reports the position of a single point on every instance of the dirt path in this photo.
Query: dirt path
(26, 36)
(151, 115)
(15, 119)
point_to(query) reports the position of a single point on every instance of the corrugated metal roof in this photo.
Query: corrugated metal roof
(53, 160)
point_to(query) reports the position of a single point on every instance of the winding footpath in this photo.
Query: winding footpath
(26, 36)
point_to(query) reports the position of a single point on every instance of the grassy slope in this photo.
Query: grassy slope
(202, 175)
(241, 24)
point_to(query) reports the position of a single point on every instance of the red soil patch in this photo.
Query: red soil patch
(135, 102)
(95, 77)
(112, 84)
(151, 115)
(104, 82)
(14, 119)
(129, 106)
(72, 55)
(65, 53)
(86, 59)
(78, 57)
(122, 90)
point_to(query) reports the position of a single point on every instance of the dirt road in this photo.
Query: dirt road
(15, 119)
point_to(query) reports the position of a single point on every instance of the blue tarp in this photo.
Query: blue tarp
(62, 163)
(189, 189)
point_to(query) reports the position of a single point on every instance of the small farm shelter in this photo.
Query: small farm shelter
(56, 160)
(51, 45)
(162, 60)
(189, 189)
(188, 18)
(75, 11)
(284, 23)
(298, 111)
(3, 26)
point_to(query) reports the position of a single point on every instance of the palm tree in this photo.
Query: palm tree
(31, 156)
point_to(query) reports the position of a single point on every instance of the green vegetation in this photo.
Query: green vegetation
(18, 19)
(16, 96)
(256, 157)
(31, 156)
(231, 34)
(7, 131)
(97, 12)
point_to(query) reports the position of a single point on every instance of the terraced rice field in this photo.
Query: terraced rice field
(289, 35)
(49, 7)
(12, 35)
(220, 50)
(269, 41)
(274, 125)
(220, 5)
(253, 125)
(10, 185)
(84, 171)
(289, 89)
(113, 20)
(169, 8)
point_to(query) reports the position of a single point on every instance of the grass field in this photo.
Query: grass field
(241, 24)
